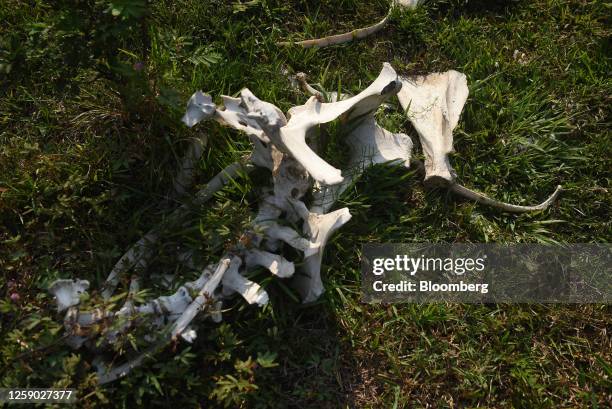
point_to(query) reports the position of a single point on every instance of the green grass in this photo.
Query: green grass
(89, 144)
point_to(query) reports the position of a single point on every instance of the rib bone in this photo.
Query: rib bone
(481, 198)
(355, 34)
(205, 294)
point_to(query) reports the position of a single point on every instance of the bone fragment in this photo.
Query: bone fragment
(233, 281)
(433, 104)
(67, 292)
(205, 294)
(275, 263)
(291, 237)
(199, 107)
(236, 116)
(319, 227)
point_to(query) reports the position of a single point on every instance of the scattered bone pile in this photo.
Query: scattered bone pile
(287, 146)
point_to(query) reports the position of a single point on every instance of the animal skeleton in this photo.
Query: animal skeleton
(288, 149)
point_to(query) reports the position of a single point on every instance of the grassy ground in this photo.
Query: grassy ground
(91, 96)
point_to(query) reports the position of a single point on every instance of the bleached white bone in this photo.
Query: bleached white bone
(189, 335)
(319, 227)
(74, 341)
(157, 312)
(252, 292)
(291, 237)
(290, 180)
(342, 38)
(299, 82)
(314, 113)
(199, 107)
(369, 144)
(282, 202)
(276, 264)
(108, 374)
(481, 198)
(215, 312)
(236, 116)
(205, 295)
(170, 306)
(268, 116)
(67, 293)
(407, 3)
(433, 104)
